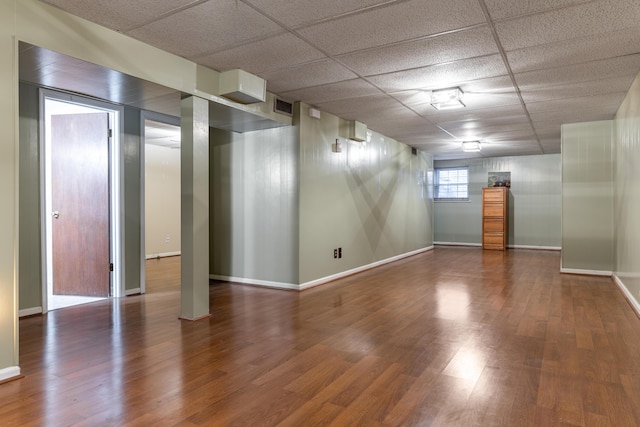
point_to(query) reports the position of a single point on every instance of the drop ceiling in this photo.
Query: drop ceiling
(526, 67)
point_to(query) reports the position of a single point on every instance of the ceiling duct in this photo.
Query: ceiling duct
(242, 87)
(357, 131)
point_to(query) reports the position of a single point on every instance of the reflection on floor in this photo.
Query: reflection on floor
(62, 301)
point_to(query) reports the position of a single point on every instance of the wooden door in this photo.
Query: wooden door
(80, 204)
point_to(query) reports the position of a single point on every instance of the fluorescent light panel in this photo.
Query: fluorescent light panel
(471, 146)
(445, 99)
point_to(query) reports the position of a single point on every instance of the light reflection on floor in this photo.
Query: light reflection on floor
(61, 301)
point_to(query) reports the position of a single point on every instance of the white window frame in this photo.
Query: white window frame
(458, 183)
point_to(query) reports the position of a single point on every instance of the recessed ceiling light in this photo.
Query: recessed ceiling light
(444, 99)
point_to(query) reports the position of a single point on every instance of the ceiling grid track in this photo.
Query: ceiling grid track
(503, 54)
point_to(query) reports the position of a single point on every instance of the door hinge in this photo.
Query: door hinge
(110, 133)
(110, 266)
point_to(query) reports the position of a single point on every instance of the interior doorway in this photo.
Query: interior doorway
(162, 193)
(80, 191)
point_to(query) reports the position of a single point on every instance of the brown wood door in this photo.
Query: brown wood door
(80, 204)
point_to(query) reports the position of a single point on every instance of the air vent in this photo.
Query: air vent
(283, 107)
(414, 151)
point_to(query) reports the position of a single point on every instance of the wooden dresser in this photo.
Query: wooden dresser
(494, 218)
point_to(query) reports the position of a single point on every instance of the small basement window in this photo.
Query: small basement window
(452, 184)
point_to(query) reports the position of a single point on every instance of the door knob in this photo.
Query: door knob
(55, 214)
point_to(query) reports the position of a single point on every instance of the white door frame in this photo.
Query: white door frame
(116, 161)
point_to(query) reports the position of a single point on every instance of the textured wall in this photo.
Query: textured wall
(372, 200)
(254, 205)
(587, 196)
(534, 201)
(627, 191)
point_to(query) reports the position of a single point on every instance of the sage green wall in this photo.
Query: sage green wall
(30, 267)
(534, 202)
(254, 205)
(9, 179)
(627, 191)
(132, 149)
(587, 196)
(372, 200)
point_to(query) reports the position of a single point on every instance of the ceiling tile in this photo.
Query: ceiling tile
(587, 19)
(121, 15)
(607, 103)
(574, 51)
(332, 92)
(442, 75)
(444, 116)
(374, 103)
(396, 22)
(423, 52)
(268, 54)
(626, 66)
(500, 9)
(300, 12)
(207, 27)
(314, 74)
(576, 90)
(506, 123)
(514, 148)
(405, 126)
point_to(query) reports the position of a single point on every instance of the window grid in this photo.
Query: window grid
(452, 184)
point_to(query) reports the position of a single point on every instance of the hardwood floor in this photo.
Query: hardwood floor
(452, 337)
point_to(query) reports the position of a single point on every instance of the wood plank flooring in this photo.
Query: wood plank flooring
(451, 337)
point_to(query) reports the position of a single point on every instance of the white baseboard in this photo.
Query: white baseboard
(8, 373)
(29, 311)
(479, 245)
(303, 286)
(162, 255)
(541, 248)
(628, 295)
(586, 272)
(333, 277)
(265, 283)
(134, 291)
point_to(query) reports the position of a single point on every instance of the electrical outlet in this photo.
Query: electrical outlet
(167, 238)
(335, 253)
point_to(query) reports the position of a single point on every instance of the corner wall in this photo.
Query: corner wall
(627, 194)
(534, 202)
(373, 199)
(254, 206)
(587, 197)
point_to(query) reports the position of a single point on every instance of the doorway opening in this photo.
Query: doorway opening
(162, 193)
(80, 187)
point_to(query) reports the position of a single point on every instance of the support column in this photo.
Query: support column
(8, 194)
(194, 171)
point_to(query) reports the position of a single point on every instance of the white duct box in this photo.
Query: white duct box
(357, 131)
(242, 87)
